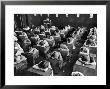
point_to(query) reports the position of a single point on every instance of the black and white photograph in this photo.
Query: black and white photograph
(55, 44)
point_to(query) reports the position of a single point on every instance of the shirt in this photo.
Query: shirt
(57, 55)
(45, 44)
(64, 50)
(18, 49)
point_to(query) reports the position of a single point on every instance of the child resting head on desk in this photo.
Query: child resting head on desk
(43, 65)
(87, 61)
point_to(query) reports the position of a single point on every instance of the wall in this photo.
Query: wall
(62, 20)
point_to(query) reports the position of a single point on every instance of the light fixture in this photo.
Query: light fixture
(66, 15)
(56, 15)
(34, 14)
(48, 15)
(91, 16)
(78, 15)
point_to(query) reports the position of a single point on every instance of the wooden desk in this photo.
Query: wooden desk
(40, 72)
(22, 37)
(85, 70)
(18, 33)
(47, 33)
(21, 66)
(93, 50)
(42, 50)
(89, 66)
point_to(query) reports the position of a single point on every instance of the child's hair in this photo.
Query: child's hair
(81, 49)
(41, 43)
(43, 64)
